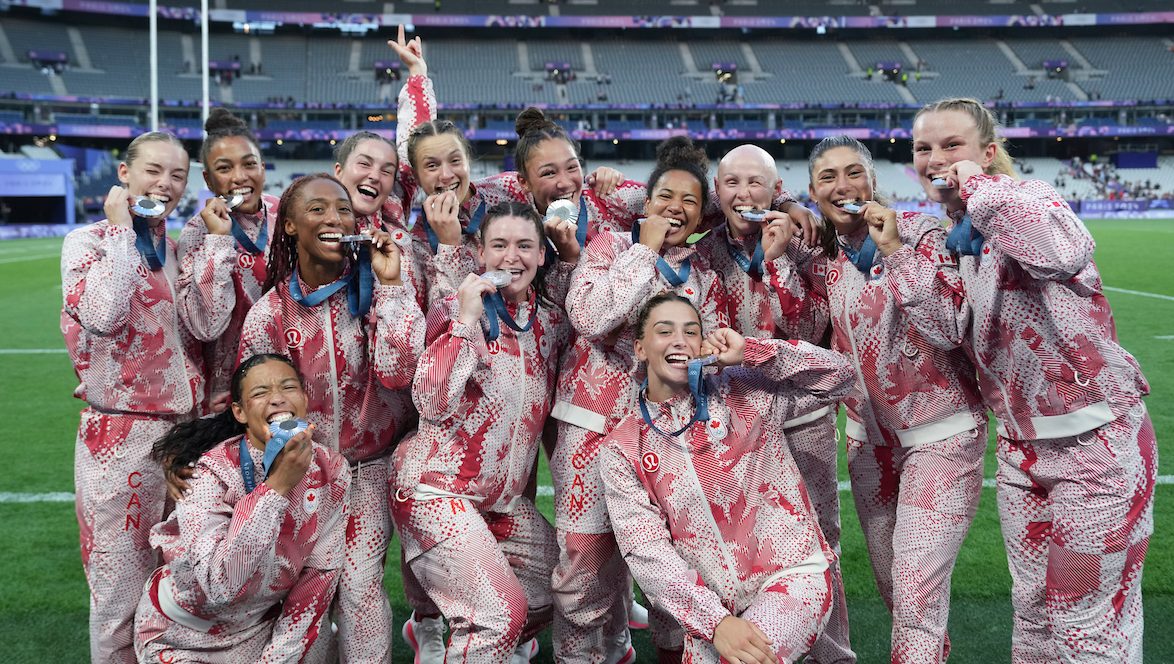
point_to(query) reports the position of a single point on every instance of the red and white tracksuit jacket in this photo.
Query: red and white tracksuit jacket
(715, 521)
(1068, 401)
(218, 282)
(916, 427)
(477, 545)
(613, 280)
(246, 576)
(140, 372)
(357, 374)
(782, 304)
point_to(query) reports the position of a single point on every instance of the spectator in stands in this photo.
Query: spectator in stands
(916, 427)
(1076, 448)
(139, 373)
(252, 557)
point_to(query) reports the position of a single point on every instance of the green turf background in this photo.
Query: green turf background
(43, 596)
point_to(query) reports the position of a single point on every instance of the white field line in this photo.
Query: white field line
(543, 490)
(1156, 296)
(32, 351)
(1165, 337)
(39, 257)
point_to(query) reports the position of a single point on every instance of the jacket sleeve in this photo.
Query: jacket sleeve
(454, 352)
(786, 295)
(923, 280)
(98, 277)
(259, 334)
(558, 280)
(417, 105)
(782, 366)
(647, 547)
(226, 546)
(205, 290)
(450, 266)
(396, 343)
(606, 288)
(1030, 223)
(306, 609)
(625, 205)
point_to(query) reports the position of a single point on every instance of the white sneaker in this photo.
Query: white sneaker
(525, 652)
(426, 637)
(637, 616)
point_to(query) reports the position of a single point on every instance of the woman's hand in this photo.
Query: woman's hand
(604, 181)
(727, 344)
(562, 235)
(443, 216)
(385, 259)
(776, 235)
(469, 295)
(882, 227)
(740, 641)
(117, 207)
(805, 222)
(411, 53)
(653, 231)
(961, 171)
(216, 217)
(178, 480)
(291, 463)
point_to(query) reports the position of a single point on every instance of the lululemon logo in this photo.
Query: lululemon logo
(833, 276)
(650, 461)
(403, 495)
(141, 270)
(245, 261)
(293, 337)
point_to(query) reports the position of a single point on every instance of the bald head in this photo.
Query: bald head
(749, 157)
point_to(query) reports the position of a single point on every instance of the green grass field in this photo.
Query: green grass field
(43, 596)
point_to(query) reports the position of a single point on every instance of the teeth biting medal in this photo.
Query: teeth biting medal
(147, 207)
(851, 208)
(498, 278)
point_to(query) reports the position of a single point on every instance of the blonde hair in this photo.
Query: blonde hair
(987, 126)
(132, 150)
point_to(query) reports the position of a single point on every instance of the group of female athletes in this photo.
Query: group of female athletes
(429, 390)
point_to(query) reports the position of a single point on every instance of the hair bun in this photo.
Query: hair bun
(222, 119)
(680, 150)
(531, 119)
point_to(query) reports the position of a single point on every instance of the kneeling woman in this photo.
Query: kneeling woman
(478, 546)
(253, 555)
(708, 507)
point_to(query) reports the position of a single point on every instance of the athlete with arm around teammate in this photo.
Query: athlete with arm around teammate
(708, 507)
(1067, 396)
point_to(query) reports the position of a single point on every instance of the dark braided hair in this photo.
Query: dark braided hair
(187, 441)
(654, 302)
(283, 247)
(221, 124)
(512, 208)
(533, 127)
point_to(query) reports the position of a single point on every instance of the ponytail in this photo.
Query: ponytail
(988, 130)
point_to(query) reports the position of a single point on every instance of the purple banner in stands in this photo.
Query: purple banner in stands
(342, 20)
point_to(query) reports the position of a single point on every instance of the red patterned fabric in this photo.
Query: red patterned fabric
(252, 574)
(218, 282)
(710, 519)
